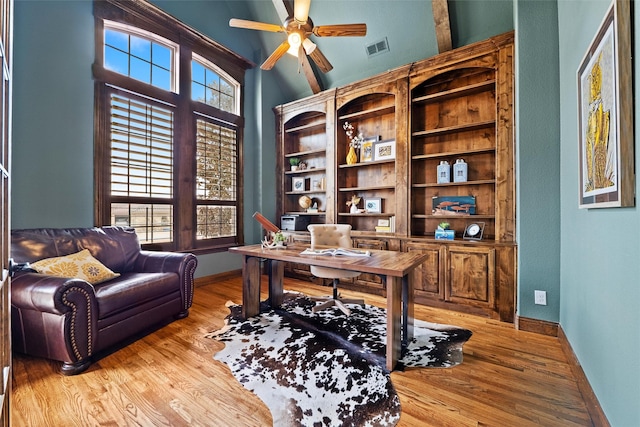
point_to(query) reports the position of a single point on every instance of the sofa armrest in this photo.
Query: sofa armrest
(184, 264)
(45, 306)
(49, 294)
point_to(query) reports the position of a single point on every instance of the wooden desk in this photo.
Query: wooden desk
(393, 267)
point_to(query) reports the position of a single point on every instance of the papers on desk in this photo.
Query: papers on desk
(336, 252)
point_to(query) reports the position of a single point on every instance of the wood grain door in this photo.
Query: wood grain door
(6, 33)
(428, 278)
(370, 282)
(471, 276)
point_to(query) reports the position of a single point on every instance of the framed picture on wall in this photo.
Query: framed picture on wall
(605, 116)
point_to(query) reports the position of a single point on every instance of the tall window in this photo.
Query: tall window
(168, 131)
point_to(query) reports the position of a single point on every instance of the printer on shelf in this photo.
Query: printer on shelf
(294, 222)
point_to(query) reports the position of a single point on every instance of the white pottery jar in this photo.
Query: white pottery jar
(460, 171)
(444, 172)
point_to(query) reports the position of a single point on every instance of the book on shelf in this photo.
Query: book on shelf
(336, 252)
(387, 225)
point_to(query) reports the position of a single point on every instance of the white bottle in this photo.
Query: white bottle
(460, 171)
(444, 172)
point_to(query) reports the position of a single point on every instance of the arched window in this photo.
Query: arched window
(168, 130)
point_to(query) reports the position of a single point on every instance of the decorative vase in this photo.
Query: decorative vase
(444, 172)
(352, 157)
(354, 208)
(460, 171)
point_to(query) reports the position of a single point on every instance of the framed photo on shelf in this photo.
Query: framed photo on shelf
(317, 184)
(384, 150)
(606, 152)
(298, 184)
(366, 148)
(373, 205)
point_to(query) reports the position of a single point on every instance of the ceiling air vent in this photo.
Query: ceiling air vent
(378, 47)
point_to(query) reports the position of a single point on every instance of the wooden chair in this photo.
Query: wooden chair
(337, 236)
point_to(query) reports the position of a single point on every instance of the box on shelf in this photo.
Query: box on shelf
(445, 234)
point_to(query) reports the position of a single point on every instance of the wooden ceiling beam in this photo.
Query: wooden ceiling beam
(442, 24)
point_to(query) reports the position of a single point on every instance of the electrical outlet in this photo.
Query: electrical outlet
(540, 297)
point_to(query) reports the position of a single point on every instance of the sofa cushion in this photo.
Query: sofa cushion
(133, 290)
(80, 265)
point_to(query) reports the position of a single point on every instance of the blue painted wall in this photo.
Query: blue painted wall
(538, 158)
(600, 248)
(587, 260)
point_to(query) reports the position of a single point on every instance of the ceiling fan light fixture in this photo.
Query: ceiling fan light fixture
(295, 39)
(301, 11)
(308, 46)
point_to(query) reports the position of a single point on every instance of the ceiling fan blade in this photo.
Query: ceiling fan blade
(253, 25)
(284, 9)
(341, 30)
(277, 54)
(320, 60)
(301, 10)
(314, 83)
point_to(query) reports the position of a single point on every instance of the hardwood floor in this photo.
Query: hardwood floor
(508, 378)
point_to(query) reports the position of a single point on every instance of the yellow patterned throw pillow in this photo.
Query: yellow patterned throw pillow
(80, 265)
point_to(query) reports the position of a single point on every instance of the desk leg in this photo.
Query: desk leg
(408, 314)
(250, 286)
(394, 320)
(276, 273)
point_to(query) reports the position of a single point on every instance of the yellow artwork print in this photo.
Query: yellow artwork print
(600, 173)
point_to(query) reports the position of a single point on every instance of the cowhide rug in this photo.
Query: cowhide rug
(327, 369)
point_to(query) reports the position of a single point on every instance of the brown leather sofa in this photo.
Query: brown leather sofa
(71, 320)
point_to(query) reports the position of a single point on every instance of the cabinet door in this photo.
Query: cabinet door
(293, 269)
(471, 276)
(369, 280)
(428, 278)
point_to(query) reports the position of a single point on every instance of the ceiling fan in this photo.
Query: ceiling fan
(298, 27)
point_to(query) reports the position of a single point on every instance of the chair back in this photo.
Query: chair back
(334, 235)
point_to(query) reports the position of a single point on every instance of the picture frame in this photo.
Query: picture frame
(367, 147)
(453, 205)
(298, 184)
(605, 117)
(373, 205)
(384, 150)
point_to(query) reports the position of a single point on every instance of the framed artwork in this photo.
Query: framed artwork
(384, 150)
(605, 117)
(373, 205)
(298, 184)
(366, 149)
(453, 205)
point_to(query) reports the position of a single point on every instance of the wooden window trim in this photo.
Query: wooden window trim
(143, 15)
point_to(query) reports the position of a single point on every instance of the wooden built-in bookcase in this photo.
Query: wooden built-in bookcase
(456, 105)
